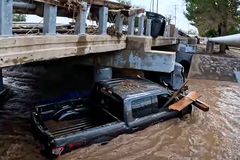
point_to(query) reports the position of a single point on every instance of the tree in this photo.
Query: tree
(213, 15)
(169, 18)
(19, 17)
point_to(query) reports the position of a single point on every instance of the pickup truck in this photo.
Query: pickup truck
(116, 106)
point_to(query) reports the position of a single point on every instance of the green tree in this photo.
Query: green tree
(213, 15)
(19, 17)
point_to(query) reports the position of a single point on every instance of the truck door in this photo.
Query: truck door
(141, 112)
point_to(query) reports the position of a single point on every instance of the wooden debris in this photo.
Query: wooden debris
(114, 32)
(185, 101)
(70, 3)
(132, 12)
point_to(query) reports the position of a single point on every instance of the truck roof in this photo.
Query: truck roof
(124, 87)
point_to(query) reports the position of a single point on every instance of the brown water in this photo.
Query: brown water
(211, 135)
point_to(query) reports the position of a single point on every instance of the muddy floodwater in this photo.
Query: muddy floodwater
(211, 135)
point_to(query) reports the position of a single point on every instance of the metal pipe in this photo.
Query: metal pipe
(231, 40)
(22, 5)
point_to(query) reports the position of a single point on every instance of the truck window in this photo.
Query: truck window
(162, 99)
(109, 101)
(144, 106)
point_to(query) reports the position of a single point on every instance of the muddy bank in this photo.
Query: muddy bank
(212, 135)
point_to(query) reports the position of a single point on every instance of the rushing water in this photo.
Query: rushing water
(211, 135)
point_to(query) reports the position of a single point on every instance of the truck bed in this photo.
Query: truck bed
(63, 128)
(87, 116)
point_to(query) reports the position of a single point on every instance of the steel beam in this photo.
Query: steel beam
(131, 23)
(6, 9)
(103, 19)
(22, 5)
(140, 26)
(50, 18)
(80, 27)
(148, 28)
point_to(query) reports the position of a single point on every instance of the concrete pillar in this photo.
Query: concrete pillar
(50, 18)
(6, 10)
(167, 31)
(119, 22)
(175, 32)
(148, 28)
(131, 25)
(103, 19)
(80, 27)
(140, 26)
(102, 74)
(210, 47)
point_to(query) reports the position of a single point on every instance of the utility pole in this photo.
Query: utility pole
(175, 7)
(153, 6)
(157, 6)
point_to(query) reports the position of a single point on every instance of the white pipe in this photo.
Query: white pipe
(231, 40)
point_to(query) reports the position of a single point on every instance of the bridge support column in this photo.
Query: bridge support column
(6, 10)
(131, 24)
(80, 27)
(175, 32)
(103, 19)
(167, 31)
(210, 47)
(50, 18)
(119, 22)
(140, 26)
(148, 28)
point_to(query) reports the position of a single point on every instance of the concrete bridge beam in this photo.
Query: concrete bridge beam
(137, 55)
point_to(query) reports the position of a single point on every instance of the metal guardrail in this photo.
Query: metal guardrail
(50, 15)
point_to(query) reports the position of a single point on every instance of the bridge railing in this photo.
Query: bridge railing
(50, 16)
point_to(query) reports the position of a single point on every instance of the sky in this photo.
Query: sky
(165, 7)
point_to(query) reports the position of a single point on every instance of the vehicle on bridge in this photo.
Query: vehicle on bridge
(115, 107)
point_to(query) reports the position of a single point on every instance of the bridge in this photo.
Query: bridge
(132, 51)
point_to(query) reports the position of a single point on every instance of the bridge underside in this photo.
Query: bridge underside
(132, 52)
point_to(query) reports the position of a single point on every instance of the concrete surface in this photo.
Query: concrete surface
(20, 50)
(163, 41)
(137, 55)
(214, 68)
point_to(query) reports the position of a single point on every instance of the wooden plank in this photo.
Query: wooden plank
(185, 101)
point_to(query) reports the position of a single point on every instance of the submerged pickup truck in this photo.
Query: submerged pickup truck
(116, 106)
